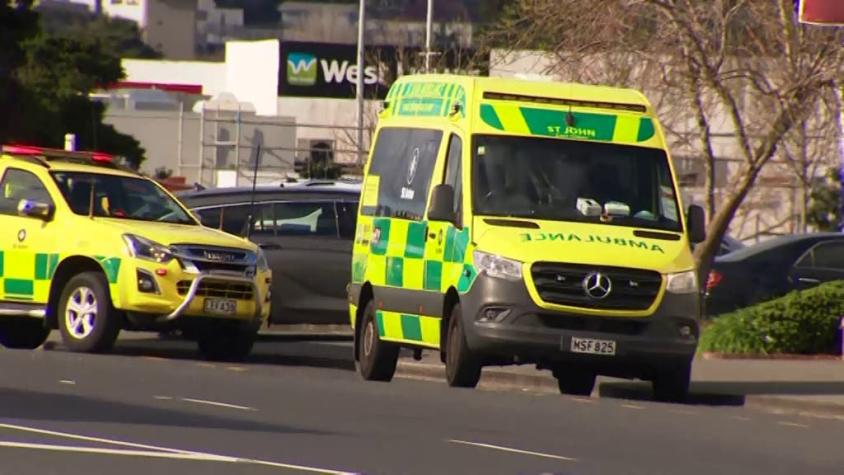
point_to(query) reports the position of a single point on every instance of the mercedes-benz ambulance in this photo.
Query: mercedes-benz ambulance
(519, 222)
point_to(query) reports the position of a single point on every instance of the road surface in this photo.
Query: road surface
(298, 407)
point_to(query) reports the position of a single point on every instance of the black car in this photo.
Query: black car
(306, 232)
(773, 268)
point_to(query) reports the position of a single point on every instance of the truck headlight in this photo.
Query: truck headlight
(497, 266)
(261, 261)
(682, 282)
(143, 248)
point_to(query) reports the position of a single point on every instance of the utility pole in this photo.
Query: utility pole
(360, 83)
(428, 24)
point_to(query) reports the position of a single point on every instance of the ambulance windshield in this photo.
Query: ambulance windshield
(565, 180)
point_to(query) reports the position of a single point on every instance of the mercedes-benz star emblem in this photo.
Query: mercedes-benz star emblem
(597, 285)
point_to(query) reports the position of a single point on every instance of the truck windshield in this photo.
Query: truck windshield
(565, 180)
(119, 197)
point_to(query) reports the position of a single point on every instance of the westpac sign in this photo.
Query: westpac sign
(330, 70)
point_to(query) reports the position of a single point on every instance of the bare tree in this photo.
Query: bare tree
(732, 76)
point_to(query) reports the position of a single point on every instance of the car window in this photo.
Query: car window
(829, 255)
(347, 214)
(305, 219)
(234, 218)
(21, 185)
(209, 217)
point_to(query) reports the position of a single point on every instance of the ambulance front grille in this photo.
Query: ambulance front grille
(563, 284)
(226, 290)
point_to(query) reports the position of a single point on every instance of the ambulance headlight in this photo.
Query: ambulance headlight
(682, 282)
(497, 266)
(143, 248)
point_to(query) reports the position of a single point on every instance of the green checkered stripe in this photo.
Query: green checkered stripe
(399, 259)
(26, 276)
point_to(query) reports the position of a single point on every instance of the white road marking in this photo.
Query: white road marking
(163, 398)
(150, 450)
(792, 424)
(218, 404)
(583, 400)
(632, 406)
(683, 411)
(236, 368)
(509, 449)
(67, 381)
(741, 418)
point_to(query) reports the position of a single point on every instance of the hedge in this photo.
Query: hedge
(801, 322)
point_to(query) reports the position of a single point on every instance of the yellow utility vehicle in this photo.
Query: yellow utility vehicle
(507, 222)
(90, 248)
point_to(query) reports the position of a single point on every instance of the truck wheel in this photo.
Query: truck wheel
(672, 385)
(87, 320)
(462, 368)
(376, 359)
(23, 333)
(576, 382)
(226, 342)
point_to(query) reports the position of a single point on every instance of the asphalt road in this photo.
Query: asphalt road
(297, 407)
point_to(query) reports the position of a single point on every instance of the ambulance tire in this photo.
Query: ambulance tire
(462, 369)
(23, 333)
(226, 342)
(103, 324)
(377, 359)
(672, 385)
(575, 382)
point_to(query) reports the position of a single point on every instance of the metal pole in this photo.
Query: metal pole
(201, 143)
(428, 25)
(237, 148)
(360, 84)
(180, 139)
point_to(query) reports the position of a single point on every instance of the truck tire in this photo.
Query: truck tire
(23, 333)
(672, 384)
(226, 342)
(377, 359)
(462, 368)
(87, 320)
(575, 381)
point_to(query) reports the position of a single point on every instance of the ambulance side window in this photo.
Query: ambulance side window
(403, 159)
(21, 185)
(454, 173)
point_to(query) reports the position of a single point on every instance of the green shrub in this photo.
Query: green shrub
(802, 322)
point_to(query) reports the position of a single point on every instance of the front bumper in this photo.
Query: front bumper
(170, 300)
(528, 333)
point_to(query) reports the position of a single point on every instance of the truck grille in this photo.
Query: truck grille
(216, 259)
(226, 290)
(563, 284)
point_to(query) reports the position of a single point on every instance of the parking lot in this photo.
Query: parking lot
(296, 406)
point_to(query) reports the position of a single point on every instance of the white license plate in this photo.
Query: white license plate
(592, 346)
(221, 306)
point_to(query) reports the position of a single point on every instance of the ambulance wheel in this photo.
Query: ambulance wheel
(226, 342)
(23, 333)
(87, 320)
(672, 385)
(377, 359)
(462, 369)
(576, 382)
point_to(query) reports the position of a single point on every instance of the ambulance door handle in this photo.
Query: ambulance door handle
(268, 246)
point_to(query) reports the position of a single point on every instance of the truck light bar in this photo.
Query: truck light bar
(55, 153)
(565, 102)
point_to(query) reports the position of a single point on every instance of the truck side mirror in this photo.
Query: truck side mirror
(442, 205)
(696, 222)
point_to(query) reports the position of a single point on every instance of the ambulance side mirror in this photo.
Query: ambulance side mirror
(35, 209)
(442, 205)
(696, 222)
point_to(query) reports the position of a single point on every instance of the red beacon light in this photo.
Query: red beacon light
(56, 153)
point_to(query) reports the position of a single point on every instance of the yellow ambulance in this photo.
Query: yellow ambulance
(518, 222)
(91, 248)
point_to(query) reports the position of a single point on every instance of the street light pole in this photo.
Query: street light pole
(360, 83)
(428, 24)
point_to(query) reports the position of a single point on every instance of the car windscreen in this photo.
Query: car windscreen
(121, 197)
(565, 180)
